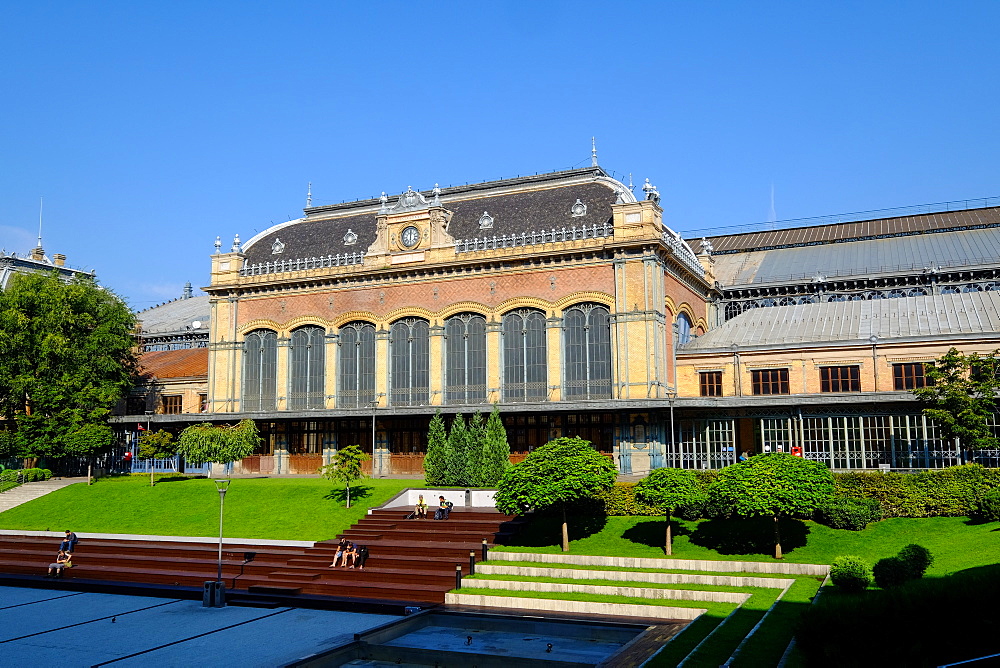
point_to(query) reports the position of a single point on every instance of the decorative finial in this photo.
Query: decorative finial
(706, 246)
(218, 244)
(593, 151)
(41, 202)
(188, 291)
(631, 186)
(309, 195)
(437, 195)
(236, 243)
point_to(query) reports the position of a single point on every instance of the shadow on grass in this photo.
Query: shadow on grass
(653, 532)
(545, 527)
(179, 478)
(749, 535)
(357, 493)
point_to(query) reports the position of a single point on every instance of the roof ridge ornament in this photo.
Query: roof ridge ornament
(437, 195)
(410, 200)
(383, 203)
(236, 244)
(593, 151)
(651, 192)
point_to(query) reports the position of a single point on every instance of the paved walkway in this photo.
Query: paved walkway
(30, 491)
(40, 627)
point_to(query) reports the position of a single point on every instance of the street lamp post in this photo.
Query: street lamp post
(222, 486)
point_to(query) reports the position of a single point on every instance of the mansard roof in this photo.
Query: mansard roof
(853, 322)
(516, 206)
(179, 315)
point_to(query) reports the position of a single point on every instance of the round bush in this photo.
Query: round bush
(842, 512)
(890, 572)
(917, 559)
(851, 573)
(989, 505)
(46, 474)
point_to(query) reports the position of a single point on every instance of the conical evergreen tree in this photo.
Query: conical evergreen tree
(457, 452)
(495, 455)
(474, 434)
(436, 461)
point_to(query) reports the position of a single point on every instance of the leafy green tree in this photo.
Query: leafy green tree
(669, 489)
(205, 442)
(559, 473)
(156, 445)
(772, 485)
(457, 451)
(66, 358)
(495, 456)
(436, 461)
(961, 396)
(346, 467)
(475, 432)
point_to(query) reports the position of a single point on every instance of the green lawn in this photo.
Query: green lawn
(276, 508)
(955, 542)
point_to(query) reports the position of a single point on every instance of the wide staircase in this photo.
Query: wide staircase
(411, 561)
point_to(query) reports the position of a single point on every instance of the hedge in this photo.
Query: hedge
(956, 491)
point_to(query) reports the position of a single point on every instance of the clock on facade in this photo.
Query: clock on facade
(410, 236)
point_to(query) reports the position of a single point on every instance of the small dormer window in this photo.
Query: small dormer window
(578, 209)
(277, 247)
(485, 221)
(350, 238)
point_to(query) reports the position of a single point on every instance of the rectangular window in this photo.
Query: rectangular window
(840, 379)
(172, 404)
(202, 403)
(135, 405)
(710, 383)
(908, 376)
(770, 381)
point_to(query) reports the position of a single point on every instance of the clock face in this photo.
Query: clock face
(410, 236)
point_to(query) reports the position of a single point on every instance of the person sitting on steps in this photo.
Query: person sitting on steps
(341, 550)
(69, 542)
(420, 511)
(360, 556)
(444, 509)
(62, 561)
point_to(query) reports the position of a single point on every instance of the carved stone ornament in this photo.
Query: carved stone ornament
(485, 221)
(410, 200)
(578, 209)
(350, 238)
(277, 247)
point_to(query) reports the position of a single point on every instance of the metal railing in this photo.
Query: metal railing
(573, 233)
(302, 264)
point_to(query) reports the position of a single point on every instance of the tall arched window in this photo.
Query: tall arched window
(307, 361)
(357, 365)
(525, 371)
(409, 352)
(465, 359)
(587, 358)
(260, 365)
(683, 328)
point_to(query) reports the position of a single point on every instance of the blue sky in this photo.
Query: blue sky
(150, 128)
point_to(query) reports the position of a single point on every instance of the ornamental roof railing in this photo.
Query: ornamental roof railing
(303, 263)
(683, 253)
(573, 233)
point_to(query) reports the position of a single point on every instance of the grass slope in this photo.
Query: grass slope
(274, 508)
(955, 542)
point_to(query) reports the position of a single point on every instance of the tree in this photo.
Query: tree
(961, 396)
(156, 445)
(346, 467)
(222, 444)
(557, 474)
(475, 433)
(669, 489)
(495, 456)
(458, 451)
(66, 358)
(772, 485)
(436, 461)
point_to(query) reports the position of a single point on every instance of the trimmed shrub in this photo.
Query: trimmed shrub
(917, 559)
(620, 500)
(46, 474)
(9, 474)
(850, 573)
(988, 507)
(890, 572)
(947, 492)
(843, 512)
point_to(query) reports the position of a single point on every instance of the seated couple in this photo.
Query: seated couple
(346, 550)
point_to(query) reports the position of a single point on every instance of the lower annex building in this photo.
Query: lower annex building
(568, 302)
